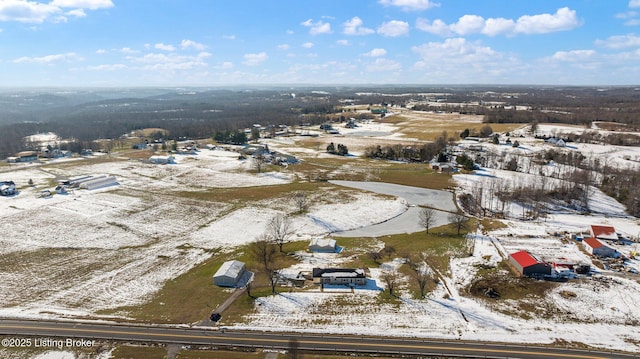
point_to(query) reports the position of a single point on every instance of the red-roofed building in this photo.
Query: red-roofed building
(597, 248)
(604, 232)
(526, 264)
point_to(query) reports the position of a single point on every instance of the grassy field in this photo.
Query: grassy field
(134, 352)
(428, 126)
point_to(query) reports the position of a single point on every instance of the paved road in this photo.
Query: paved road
(324, 343)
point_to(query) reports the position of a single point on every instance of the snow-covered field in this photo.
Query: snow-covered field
(76, 254)
(72, 255)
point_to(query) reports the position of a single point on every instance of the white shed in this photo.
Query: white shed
(229, 274)
(597, 248)
(322, 245)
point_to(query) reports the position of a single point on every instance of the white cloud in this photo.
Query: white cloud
(574, 55)
(410, 5)
(563, 19)
(394, 28)
(101, 51)
(164, 47)
(626, 15)
(354, 27)
(284, 47)
(437, 27)
(634, 3)
(454, 50)
(112, 67)
(50, 59)
(255, 59)
(343, 42)
(83, 4)
(317, 27)
(76, 13)
(468, 24)
(620, 41)
(376, 53)
(128, 50)
(37, 12)
(383, 65)
(190, 44)
(307, 45)
(171, 61)
(26, 11)
(225, 65)
(229, 37)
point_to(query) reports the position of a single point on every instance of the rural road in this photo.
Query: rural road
(11, 330)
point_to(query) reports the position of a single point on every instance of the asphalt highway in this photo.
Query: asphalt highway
(72, 333)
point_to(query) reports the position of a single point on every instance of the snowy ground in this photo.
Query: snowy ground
(72, 255)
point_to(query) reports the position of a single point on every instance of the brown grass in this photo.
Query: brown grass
(134, 352)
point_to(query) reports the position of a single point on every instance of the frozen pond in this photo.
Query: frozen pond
(407, 222)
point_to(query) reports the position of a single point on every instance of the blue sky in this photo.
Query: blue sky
(239, 42)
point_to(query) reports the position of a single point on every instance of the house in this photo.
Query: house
(229, 274)
(327, 245)
(7, 188)
(162, 160)
(603, 232)
(339, 276)
(527, 264)
(26, 156)
(597, 248)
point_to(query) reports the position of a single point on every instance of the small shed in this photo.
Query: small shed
(326, 245)
(162, 160)
(595, 247)
(527, 264)
(229, 274)
(603, 232)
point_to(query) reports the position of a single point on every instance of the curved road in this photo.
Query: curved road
(324, 343)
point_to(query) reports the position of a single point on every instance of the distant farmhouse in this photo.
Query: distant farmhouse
(24, 156)
(339, 276)
(162, 160)
(603, 232)
(526, 264)
(229, 274)
(326, 245)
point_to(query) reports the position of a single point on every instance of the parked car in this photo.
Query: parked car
(215, 316)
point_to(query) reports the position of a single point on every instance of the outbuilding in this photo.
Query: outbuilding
(326, 245)
(527, 264)
(229, 274)
(595, 247)
(603, 232)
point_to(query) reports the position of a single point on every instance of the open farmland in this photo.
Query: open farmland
(136, 250)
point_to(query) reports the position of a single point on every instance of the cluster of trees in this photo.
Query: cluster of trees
(232, 137)
(340, 149)
(409, 153)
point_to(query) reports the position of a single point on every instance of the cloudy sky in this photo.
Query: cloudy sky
(227, 42)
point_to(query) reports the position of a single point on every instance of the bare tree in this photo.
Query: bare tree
(427, 218)
(279, 229)
(259, 162)
(274, 275)
(422, 275)
(301, 201)
(391, 279)
(458, 219)
(263, 251)
(375, 256)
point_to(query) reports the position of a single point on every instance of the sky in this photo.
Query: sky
(112, 43)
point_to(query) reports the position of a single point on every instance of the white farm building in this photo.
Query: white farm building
(99, 182)
(322, 245)
(229, 274)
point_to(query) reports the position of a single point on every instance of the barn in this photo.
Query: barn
(99, 182)
(229, 274)
(527, 264)
(595, 247)
(327, 245)
(603, 232)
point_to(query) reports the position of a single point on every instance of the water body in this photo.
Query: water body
(409, 221)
